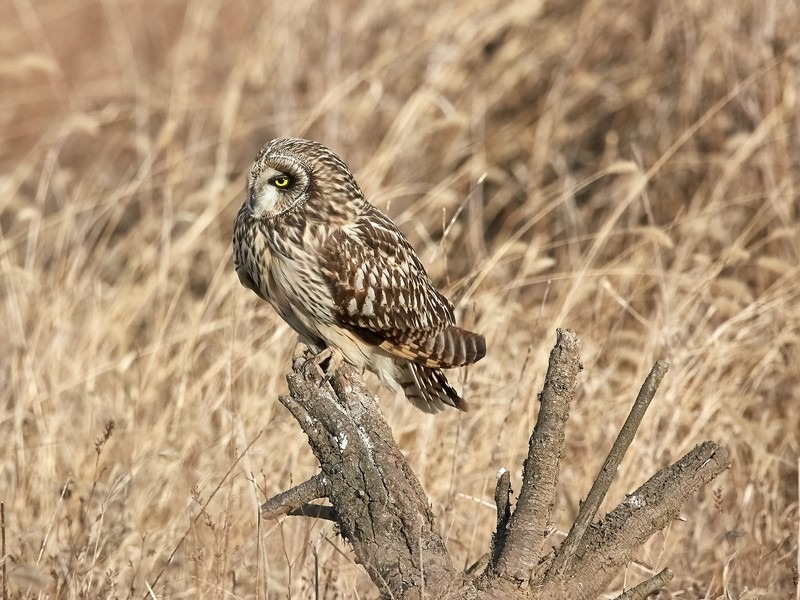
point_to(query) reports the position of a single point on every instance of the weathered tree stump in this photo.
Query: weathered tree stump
(385, 515)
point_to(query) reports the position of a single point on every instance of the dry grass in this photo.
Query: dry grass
(630, 170)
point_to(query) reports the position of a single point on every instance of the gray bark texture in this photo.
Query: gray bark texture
(384, 514)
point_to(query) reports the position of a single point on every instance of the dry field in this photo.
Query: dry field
(630, 170)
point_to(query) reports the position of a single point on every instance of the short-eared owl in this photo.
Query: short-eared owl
(343, 276)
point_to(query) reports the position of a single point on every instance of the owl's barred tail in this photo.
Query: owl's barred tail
(428, 389)
(454, 347)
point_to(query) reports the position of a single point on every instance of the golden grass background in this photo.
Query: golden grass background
(630, 170)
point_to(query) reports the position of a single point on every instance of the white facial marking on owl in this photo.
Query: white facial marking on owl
(263, 196)
(263, 200)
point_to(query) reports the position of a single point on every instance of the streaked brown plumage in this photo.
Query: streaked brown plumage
(343, 276)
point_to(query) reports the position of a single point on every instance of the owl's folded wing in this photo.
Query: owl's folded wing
(383, 294)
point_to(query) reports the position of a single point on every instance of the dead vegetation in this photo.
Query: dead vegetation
(629, 171)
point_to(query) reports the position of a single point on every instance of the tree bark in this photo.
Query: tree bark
(379, 504)
(527, 527)
(385, 515)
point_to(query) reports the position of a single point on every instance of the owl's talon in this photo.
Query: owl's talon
(324, 361)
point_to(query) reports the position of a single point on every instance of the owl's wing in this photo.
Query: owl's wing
(383, 294)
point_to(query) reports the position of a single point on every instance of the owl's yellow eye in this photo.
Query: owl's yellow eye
(281, 181)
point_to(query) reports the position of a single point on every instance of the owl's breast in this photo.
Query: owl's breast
(249, 245)
(297, 286)
(285, 271)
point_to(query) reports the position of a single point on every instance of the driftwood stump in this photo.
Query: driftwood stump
(385, 515)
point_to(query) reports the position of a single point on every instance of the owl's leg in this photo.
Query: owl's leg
(307, 345)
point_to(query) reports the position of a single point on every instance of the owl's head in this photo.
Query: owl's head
(293, 175)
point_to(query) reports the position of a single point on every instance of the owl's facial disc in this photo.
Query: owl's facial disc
(273, 191)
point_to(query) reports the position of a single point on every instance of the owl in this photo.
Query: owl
(344, 277)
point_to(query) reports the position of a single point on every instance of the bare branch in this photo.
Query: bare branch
(502, 499)
(289, 501)
(647, 587)
(529, 524)
(602, 482)
(613, 541)
(315, 511)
